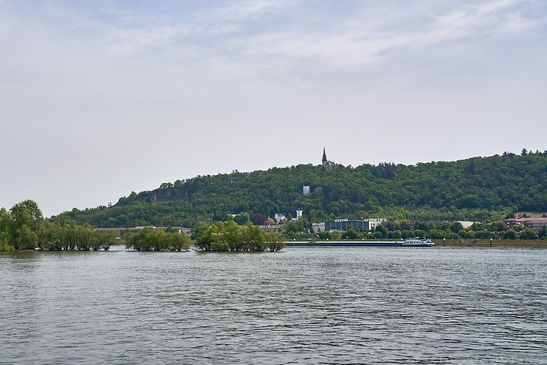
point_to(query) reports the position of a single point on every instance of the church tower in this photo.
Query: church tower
(328, 165)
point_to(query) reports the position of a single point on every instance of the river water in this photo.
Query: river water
(298, 306)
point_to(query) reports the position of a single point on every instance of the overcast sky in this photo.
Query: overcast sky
(101, 98)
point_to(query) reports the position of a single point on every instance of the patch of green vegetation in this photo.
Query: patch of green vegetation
(150, 239)
(6, 247)
(231, 237)
(24, 228)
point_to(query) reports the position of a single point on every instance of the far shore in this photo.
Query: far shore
(448, 243)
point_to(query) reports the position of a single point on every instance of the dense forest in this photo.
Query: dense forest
(480, 188)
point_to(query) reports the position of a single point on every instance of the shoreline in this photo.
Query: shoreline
(542, 244)
(438, 243)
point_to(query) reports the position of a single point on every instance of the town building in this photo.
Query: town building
(375, 222)
(279, 218)
(534, 223)
(318, 227)
(306, 190)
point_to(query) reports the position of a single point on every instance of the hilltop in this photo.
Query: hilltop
(475, 188)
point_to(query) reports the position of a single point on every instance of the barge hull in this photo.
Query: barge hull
(345, 244)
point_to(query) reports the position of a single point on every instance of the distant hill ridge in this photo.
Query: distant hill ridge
(459, 189)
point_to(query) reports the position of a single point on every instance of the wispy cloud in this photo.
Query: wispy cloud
(234, 34)
(351, 45)
(263, 35)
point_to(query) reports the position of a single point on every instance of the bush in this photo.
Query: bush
(528, 234)
(6, 247)
(230, 237)
(510, 234)
(150, 239)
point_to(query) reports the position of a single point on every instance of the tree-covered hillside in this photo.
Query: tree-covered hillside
(466, 189)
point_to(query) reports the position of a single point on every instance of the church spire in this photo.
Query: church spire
(324, 156)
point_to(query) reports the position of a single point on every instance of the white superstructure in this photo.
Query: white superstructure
(415, 242)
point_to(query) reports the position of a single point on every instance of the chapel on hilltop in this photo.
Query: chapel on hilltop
(327, 165)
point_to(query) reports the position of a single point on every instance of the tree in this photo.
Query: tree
(510, 234)
(26, 238)
(456, 227)
(528, 234)
(382, 230)
(24, 219)
(350, 234)
(258, 219)
(252, 238)
(242, 218)
(26, 213)
(179, 241)
(5, 225)
(395, 234)
(274, 241)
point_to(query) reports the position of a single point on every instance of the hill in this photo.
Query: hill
(475, 188)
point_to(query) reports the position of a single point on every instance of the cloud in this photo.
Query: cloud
(261, 36)
(232, 37)
(350, 45)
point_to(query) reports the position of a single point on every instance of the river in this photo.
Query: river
(298, 306)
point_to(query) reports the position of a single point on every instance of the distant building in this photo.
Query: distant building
(298, 214)
(278, 217)
(306, 190)
(318, 227)
(344, 224)
(271, 227)
(534, 223)
(374, 222)
(328, 165)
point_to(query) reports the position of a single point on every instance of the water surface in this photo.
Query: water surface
(301, 305)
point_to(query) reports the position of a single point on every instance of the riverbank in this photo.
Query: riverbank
(438, 243)
(367, 243)
(494, 243)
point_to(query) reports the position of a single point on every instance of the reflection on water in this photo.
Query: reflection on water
(302, 305)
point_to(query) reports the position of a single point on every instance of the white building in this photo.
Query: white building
(298, 214)
(375, 222)
(306, 190)
(278, 217)
(318, 227)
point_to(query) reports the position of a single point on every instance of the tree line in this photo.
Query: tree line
(23, 227)
(433, 230)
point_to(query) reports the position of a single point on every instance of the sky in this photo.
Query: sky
(100, 98)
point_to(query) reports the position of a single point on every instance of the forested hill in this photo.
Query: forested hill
(461, 189)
